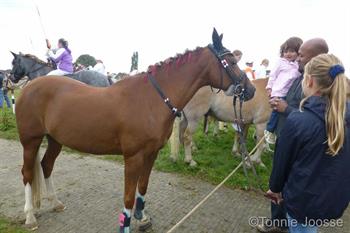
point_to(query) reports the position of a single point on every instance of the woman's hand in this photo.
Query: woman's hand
(275, 198)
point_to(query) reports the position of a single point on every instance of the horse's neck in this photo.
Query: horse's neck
(38, 70)
(180, 84)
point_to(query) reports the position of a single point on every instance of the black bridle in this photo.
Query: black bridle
(239, 93)
(166, 100)
(236, 81)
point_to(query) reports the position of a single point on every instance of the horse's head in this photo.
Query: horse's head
(231, 78)
(27, 65)
(20, 65)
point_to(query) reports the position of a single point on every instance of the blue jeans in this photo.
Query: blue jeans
(272, 123)
(3, 95)
(295, 227)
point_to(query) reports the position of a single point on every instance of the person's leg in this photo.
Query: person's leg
(277, 223)
(278, 215)
(272, 123)
(1, 97)
(58, 72)
(8, 103)
(295, 227)
(270, 137)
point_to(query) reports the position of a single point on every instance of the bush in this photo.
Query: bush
(86, 60)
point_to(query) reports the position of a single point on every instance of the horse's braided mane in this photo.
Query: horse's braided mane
(179, 59)
(36, 59)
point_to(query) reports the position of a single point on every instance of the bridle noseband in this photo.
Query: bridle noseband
(236, 81)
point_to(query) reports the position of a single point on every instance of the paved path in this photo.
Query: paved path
(92, 190)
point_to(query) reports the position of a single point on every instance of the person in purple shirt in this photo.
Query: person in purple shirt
(281, 79)
(63, 59)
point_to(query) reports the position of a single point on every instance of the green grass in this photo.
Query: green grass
(213, 156)
(8, 129)
(7, 226)
(215, 161)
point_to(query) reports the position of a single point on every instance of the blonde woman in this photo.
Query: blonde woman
(311, 172)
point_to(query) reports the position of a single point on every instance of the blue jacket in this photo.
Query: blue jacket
(314, 185)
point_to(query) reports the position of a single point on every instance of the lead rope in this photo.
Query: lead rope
(215, 189)
(243, 144)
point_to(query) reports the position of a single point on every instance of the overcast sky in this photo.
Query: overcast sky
(157, 29)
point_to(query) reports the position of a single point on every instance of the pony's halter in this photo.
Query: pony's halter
(239, 90)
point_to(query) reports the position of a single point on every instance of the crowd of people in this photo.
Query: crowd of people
(310, 125)
(310, 178)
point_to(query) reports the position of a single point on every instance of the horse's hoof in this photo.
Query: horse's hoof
(172, 159)
(31, 226)
(59, 208)
(145, 224)
(191, 162)
(236, 154)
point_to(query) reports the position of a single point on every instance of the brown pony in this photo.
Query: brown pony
(207, 102)
(139, 122)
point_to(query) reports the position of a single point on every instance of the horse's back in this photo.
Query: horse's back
(91, 77)
(44, 89)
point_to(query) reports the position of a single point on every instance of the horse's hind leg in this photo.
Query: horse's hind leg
(47, 163)
(139, 214)
(30, 172)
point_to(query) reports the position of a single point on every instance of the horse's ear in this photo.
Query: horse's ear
(14, 55)
(217, 40)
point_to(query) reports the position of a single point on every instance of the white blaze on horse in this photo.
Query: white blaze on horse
(255, 111)
(157, 96)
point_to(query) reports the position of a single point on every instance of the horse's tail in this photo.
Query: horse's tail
(37, 183)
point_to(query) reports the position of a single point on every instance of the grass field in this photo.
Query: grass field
(213, 156)
(7, 226)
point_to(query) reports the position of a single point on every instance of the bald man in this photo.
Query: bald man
(307, 51)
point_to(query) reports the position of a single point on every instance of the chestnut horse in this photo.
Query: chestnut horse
(73, 114)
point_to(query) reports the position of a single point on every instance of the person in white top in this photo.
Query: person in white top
(100, 67)
(261, 71)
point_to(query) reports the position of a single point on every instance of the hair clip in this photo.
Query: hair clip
(335, 70)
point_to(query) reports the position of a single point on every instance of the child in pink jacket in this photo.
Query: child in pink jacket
(281, 79)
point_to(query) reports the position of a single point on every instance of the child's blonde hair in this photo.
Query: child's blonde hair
(328, 73)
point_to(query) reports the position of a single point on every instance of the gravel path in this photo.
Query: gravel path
(92, 190)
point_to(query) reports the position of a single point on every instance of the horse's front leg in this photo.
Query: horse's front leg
(175, 141)
(139, 214)
(132, 171)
